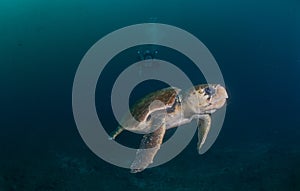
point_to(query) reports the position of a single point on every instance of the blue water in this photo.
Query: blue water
(255, 43)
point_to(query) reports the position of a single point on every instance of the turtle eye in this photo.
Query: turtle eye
(209, 91)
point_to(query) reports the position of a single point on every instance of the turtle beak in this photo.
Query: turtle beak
(219, 99)
(221, 91)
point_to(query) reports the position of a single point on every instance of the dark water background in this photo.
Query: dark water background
(257, 47)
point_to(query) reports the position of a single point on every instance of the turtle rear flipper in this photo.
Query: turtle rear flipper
(150, 144)
(115, 133)
(204, 123)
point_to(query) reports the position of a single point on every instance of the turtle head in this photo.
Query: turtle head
(205, 99)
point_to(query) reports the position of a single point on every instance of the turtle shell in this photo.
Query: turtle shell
(141, 109)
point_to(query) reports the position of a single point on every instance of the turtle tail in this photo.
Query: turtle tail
(115, 133)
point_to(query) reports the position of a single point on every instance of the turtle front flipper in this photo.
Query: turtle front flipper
(204, 123)
(149, 146)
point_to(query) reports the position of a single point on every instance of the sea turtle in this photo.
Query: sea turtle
(168, 108)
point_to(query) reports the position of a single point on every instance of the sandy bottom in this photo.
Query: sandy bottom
(246, 167)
